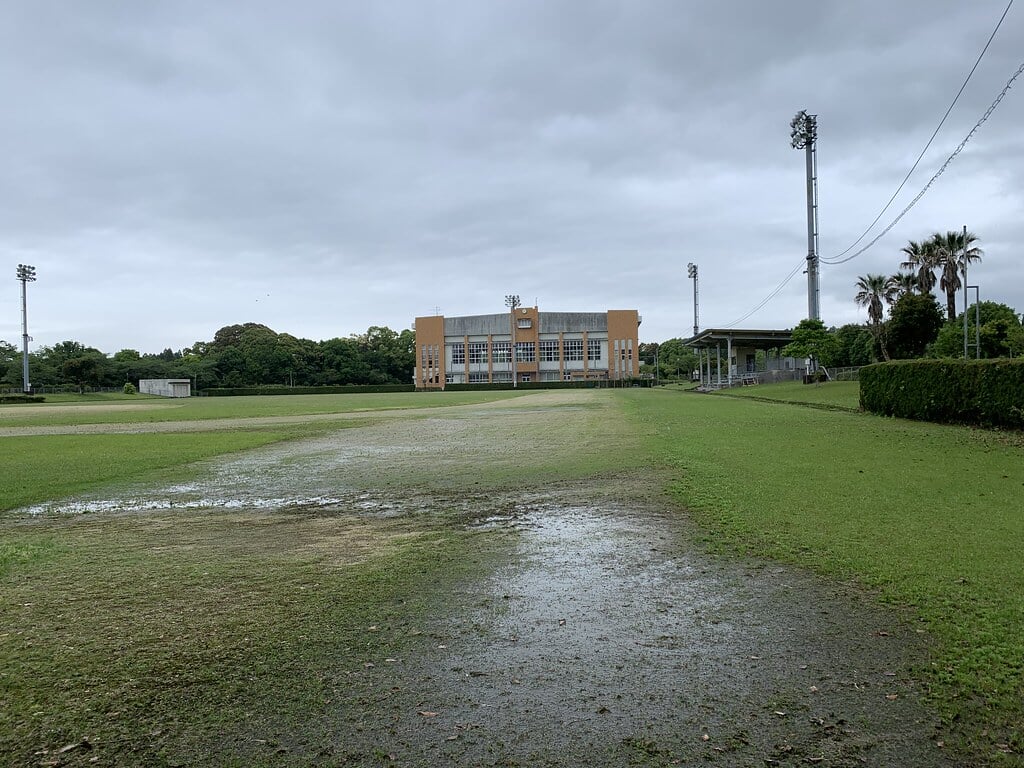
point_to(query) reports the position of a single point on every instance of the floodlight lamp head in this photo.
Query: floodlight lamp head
(691, 270)
(512, 300)
(26, 273)
(803, 130)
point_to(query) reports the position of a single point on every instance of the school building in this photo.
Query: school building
(525, 345)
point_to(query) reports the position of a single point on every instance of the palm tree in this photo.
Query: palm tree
(949, 249)
(901, 284)
(923, 258)
(872, 290)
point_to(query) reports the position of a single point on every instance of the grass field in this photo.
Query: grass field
(841, 395)
(100, 616)
(932, 516)
(121, 409)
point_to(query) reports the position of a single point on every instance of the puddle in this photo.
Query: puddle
(603, 640)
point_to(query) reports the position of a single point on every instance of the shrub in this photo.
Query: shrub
(18, 398)
(129, 388)
(987, 393)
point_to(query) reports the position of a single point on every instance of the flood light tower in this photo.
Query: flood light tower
(691, 272)
(26, 274)
(512, 302)
(804, 135)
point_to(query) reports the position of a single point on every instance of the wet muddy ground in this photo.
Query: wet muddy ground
(606, 635)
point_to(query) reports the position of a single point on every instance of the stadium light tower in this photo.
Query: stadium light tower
(512, 302)
(26, 274)
(804, 135)
(691, 272)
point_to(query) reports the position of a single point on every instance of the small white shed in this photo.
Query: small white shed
(166, 387)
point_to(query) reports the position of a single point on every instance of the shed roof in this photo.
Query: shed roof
(742, 337)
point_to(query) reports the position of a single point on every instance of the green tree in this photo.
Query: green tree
(903, 283)
(812, 339)
(949, 249)
(856, 345)
(999, 332)
(85, 370)
(872, 291)
(914, 323)
(676, 360)
(923, 258)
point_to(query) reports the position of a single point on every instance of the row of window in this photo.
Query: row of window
(526, 351)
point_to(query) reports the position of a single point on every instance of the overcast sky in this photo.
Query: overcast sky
(320, 167)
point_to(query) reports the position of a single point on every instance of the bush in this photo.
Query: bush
(16, 398)
(129, 388)
(988, 393)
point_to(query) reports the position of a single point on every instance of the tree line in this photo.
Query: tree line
(243, 355)
(906, 320)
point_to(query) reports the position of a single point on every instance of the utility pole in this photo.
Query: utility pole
(965, 292)
(804, 135)
(691, 272)
(26, 274)
(512, 302)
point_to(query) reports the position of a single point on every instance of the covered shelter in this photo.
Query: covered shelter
(728, 357)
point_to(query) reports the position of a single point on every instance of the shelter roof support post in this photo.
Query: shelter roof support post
(728, 359)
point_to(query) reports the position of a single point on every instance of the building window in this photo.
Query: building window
(573, 349)
(449, 378)
(478, 378)
(525, 352)
(524, 322)
(501, 352)
(593, 349)
(501, 377)
(458, 353)
(526, 377)
(477, 352)
(549, 351)
(567, 376)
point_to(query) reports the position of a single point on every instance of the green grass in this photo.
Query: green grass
(37, 468)
(841, 395)
(120, 409)
(215, 637)
(930, 515)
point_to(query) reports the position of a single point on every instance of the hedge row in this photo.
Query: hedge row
(21, 398)
(988, 393)
(350, 389)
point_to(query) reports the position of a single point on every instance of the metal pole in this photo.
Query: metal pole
(25, 387)
(804, 135)
(696, 321)
(512, 302)
(812, 256)
(965, 291)
(26, 274)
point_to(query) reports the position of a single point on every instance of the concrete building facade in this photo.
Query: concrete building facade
(166, 387)
(526, 345)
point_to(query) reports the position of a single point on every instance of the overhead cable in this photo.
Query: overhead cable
(977, 125)
(926, 146)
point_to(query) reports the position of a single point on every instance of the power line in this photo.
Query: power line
(770, 296)
(967, 138)
(926, 146)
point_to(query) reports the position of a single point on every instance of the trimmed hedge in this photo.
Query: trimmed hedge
(21, 398)
(987, 393)
(348, 389)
